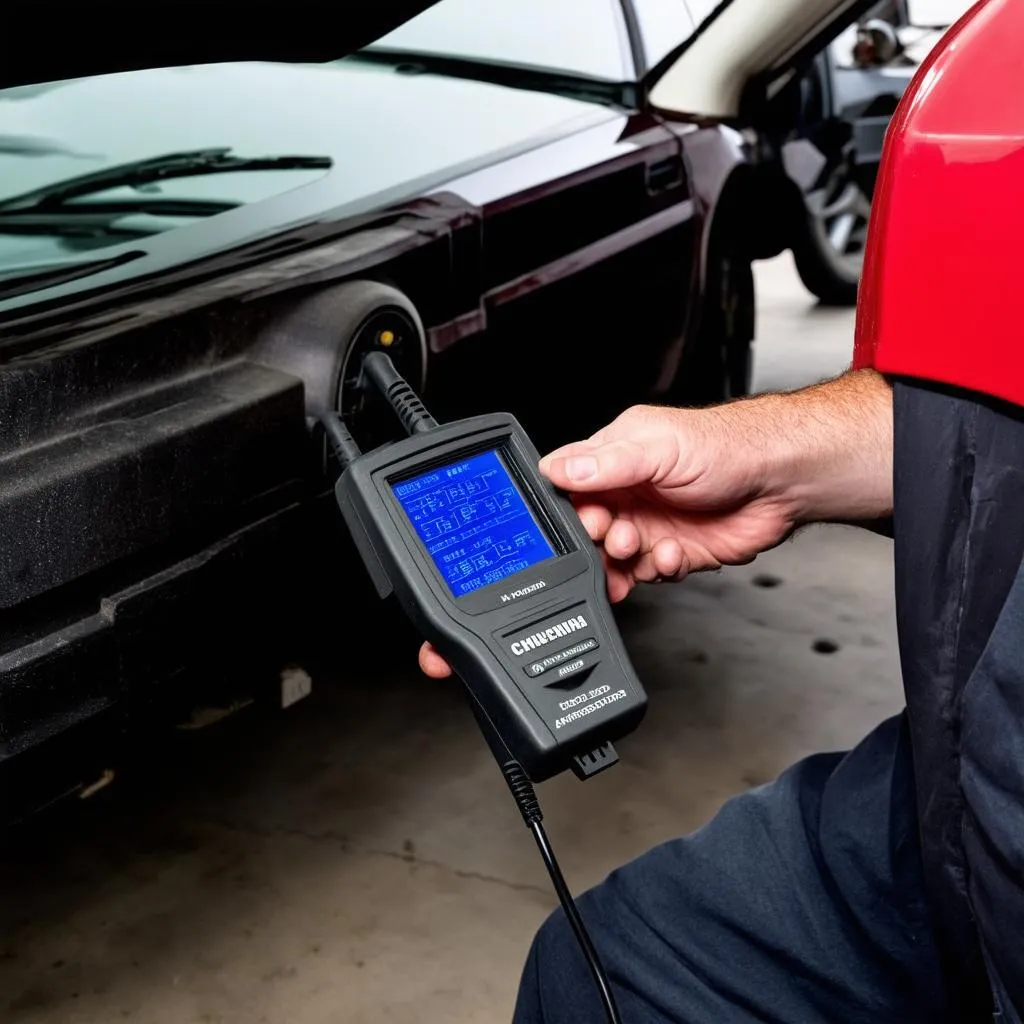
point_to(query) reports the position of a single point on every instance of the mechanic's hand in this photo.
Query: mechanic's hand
(664, 492)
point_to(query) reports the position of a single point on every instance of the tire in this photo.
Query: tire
(829, 249)
(719, 363)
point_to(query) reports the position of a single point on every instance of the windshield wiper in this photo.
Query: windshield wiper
(105, 220)
(139, 173)
(619, 95)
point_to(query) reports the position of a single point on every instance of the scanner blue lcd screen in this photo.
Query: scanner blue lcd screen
(474, 522)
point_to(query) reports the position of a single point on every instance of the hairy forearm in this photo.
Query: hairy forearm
(826, 450)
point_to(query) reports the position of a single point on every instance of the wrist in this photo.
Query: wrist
(824, 452)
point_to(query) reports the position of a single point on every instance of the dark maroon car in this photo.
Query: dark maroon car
(194, 256)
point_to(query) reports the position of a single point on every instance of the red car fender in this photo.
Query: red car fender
(942, 294)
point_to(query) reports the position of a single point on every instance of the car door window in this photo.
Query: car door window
(583, 37)
(663, 24)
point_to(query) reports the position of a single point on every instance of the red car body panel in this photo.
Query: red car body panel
(942, 296)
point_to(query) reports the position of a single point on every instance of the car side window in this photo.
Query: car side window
(663, 24)
(583, 37)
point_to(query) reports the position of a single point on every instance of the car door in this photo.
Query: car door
(587, 241)
(586, 275)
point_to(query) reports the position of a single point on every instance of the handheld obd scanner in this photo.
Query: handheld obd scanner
(494, 568)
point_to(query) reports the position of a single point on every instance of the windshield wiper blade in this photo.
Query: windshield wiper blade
(619, 95)
(95, 219)
(136, 173)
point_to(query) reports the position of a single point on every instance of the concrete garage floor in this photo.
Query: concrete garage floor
(358, 858)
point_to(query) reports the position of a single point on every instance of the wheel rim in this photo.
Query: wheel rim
(839, 216)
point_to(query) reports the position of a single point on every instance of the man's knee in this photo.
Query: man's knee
(551, 978)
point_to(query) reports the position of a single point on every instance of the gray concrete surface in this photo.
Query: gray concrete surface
(357, 858)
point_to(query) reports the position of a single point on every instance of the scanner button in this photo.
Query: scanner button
(573, 672)
(550, 661)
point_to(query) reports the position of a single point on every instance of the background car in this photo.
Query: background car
(193, 260)
(849, 93)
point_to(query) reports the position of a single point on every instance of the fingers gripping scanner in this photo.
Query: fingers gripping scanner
(494, 568)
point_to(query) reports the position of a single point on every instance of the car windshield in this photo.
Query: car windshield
(532, 33)
(73, 182)
(110, 176)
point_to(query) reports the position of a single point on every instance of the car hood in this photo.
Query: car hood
(46, 41)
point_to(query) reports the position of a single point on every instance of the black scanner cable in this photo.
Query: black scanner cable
(529, 806)
(380, 371)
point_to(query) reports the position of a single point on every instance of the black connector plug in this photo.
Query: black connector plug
(594, 761)
(379, 371)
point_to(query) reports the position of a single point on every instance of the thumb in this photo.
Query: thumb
(590, 466)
